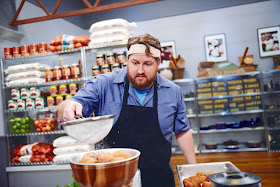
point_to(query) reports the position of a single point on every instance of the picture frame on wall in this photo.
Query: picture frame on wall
(268, 40)
(168, 49)
(215, 48)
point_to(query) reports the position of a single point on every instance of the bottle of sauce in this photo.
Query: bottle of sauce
(57, 74)
(105, 69)
(75, 71)
(66, 72)
(95, 70)
(49, 74)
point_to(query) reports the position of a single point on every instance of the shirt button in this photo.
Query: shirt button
(118, 131)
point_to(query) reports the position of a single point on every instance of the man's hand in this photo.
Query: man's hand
(68, 109)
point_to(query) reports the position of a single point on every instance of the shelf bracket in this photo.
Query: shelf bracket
(90, 9)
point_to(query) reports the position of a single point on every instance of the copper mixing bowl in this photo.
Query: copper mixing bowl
(113, 174)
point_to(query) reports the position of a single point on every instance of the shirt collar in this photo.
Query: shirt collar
(121, 76)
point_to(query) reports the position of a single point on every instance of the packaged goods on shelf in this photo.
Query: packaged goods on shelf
(68, 42)
(64, 157)
(111, 32)
(112, 23)
(64, 141)
(26, 81)
(72, 149)
(24, 75)
(25, 68)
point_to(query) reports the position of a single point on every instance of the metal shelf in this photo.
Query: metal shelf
(49, 83)
(231, 113)
(232, 75)
(242, 148)
(183, 80)
(244, 129)
(273, 128)
(272, 110)
(229, 96)
(53, 109)
(38, 133)
(191, 115)
(107, 45)
(272, 92)
(38, 163)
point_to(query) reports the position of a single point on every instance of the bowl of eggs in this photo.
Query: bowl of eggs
(114, 167)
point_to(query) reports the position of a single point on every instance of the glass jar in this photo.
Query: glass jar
(66, 72)
(105, 69)
(121, 58)
(116, 66)
(49, 74)
(57, 74)
(95, 70)
(110, 58)
(100, 59)
(75, 71)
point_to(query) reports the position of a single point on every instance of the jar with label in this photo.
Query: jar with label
(34, 92)
(73, 87)
(49, 74)
(24, 50)
(33, 49)
(63, 89)
(25, 93)
(54, 89)
(16, 52)
(105, 69)
(110, 58)
(116, 66)
(57, 74)
(95, 70)
(75, 71)
(100, 59)
(51, 101)
(59, 99)
(66, 72)
(121, 58)
(15, 93)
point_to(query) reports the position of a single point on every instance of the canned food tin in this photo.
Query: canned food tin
(24, 50)
(57, 74)
(59, 99)
(8, 52)
(40, 102)
(95, 70)
(33, 49)
(15, 93)
(30, 103)
(73, 87)
(121, 58)
(51, 101)
(63, 89)
(43, 48)
(21, 104)
(12, 105)
(25, 93)
(34, 92)
(110, 58)
(100, 59)
(66, 72)
(16, 52)
(54, 89)
(49, 74)
(75, 71)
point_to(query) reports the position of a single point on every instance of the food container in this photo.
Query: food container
(105, 69)
(54, 89)
(15, 93)
(66, 72)
(59, 99)
(116, 66)
(119, 173)
(8, 52)
(211, 145)
(235, 178)
(33, 49)
(253, 144)
(185, 171)
(63, 89)
(73, 88)
(34, 92)
(121, 58)
(51, 101)
(43, 48)
(110, 58)
(100, 59)
(30, 103)
(89, 130)
(24, 93)
(16, 52)
(75, 71)
(95, 70)
(21, 104)
(12, 105)
(24, 50)
(49, 74)
(40, 102)
(57, 74)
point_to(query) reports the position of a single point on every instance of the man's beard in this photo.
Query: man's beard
(143, 84)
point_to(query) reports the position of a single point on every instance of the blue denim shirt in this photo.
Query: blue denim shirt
(105, 93)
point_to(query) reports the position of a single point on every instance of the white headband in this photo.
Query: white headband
(141, 48)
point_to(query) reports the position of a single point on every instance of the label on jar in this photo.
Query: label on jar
(110, 58)
(57, 75)
(50, 100)
(49, 75)
(30, 103)
(105, 69)
(15, 93)
(34, 92)
(75, 71)
(40, 102)
(24, 93)
(121, 57)
(33, 49)
(8, 52)
(63, 89)
(66, 72)
(12, 105)
(73, 87)
(100, 60)
(53, 89)
(116, 66)
(20, 104)
(59, 99)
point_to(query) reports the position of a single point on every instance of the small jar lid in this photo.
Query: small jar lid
(109, 53)
(105, 66)
(66, 66)
(57, 67)
(99, 55)
(95, 67)
(75, 64)
(116, 65)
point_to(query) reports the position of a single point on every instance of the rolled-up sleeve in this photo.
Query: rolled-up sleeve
(181, 120)
(88, 97)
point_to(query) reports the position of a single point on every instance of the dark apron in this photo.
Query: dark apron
(138, 127)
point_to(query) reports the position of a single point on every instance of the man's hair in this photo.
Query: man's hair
(145, 39)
